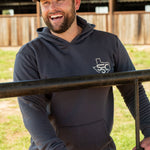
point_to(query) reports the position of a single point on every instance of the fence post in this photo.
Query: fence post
(137, 116)
(38, 14)
(111, 14)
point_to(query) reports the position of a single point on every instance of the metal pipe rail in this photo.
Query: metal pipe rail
(13, 89)
(23, 88)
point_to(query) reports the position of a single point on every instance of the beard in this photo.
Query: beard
(65, 25)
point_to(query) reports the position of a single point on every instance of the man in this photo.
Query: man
(69, 46)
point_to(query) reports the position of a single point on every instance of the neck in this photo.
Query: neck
(71, 33)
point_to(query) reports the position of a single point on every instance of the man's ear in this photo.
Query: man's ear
(77, 4)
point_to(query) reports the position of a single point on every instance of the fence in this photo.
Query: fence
(131, 27)
(17, 30)
(79, 82)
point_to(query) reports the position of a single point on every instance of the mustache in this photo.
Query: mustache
(55, 12)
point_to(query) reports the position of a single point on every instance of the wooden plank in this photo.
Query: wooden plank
(19, 30)
(116, 25)
(25, 30)
(4, 31)
(9, 31)
(111, 15)
(101, 21)
(33, 28)
(140, 36)
(134, 28)
(121, 27)
(126, 32)
(14, 37)
(147, 29)
(104, 23)
(95, 20)
(130, 12)
(1, 32)
(107, 23)
(18, 15)
(90, 19)
(38, 14)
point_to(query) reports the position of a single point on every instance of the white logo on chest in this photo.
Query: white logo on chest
(102, 67)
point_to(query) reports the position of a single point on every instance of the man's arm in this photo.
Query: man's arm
(37, 123)
(33, 107)
(127, 92)
(124, 63)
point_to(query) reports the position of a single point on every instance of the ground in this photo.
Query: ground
(8, 107)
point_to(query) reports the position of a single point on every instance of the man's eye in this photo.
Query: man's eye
(45, 2)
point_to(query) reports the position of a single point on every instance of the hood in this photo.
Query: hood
(44, 33)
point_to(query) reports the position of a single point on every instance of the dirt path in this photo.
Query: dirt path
(142, 47)
(7, 108)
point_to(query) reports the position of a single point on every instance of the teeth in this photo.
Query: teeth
(56, 16)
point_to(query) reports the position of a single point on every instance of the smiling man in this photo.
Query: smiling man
(60, 17)
(75, 119)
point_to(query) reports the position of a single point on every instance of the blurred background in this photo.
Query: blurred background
(129, 19)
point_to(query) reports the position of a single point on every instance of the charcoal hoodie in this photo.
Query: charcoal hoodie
(75, 119)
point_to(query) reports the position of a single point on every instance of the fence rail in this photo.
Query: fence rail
(23, 88)
(14, 89)
(131, 27)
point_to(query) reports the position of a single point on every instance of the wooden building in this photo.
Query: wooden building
(28, 7)
(19, 6)
(126, 18)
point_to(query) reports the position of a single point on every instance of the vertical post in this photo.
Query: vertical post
(111, 14)
(38, 14)
(137, 116)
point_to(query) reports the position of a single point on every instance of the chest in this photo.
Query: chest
(75, 60)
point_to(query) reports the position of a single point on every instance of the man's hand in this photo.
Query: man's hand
(145, 143)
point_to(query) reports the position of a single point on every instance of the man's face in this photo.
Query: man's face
(58, 15)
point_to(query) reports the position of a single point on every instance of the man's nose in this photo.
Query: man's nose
(53, 5)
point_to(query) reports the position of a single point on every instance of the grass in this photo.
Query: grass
(14, 136)
(124, 126)
(6, 64)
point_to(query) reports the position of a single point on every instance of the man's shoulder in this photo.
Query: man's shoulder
(30, 46)
(105, 37)
(104, 33)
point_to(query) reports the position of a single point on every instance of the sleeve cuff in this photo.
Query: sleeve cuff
(146, 132)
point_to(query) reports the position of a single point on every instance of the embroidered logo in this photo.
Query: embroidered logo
(102, 67)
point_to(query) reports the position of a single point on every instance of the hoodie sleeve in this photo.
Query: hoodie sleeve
(123, 63)
(33, 108)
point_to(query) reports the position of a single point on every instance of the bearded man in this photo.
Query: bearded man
(75, 119)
